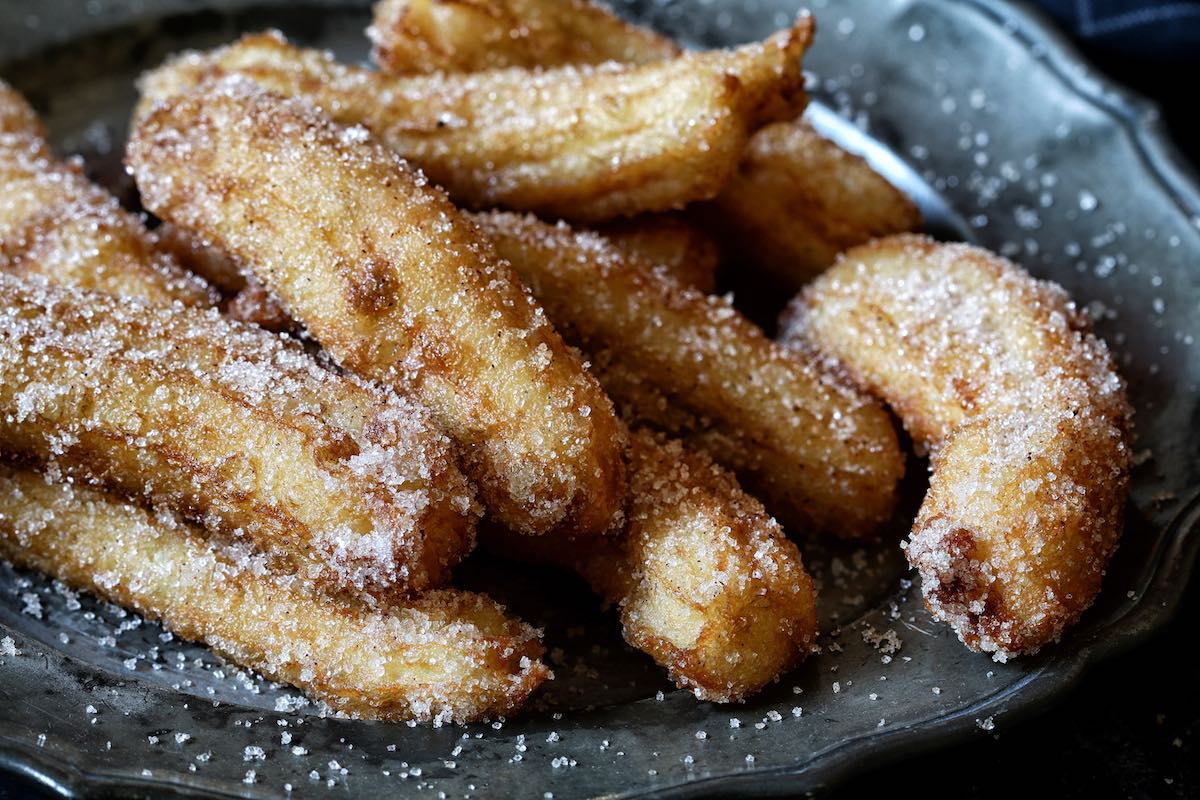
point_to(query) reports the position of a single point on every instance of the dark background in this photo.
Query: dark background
(1130, 728)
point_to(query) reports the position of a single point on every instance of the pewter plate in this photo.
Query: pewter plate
(1006, 139)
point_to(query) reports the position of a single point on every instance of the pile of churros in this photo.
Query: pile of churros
(380, 315)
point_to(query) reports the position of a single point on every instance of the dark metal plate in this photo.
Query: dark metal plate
(1006, 139)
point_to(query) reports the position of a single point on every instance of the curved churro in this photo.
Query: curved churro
(821, 454)
(56, 223)
(706, 582)
(231, 426)
(586, 143)
(446, 656)
(416, 36)
(388, 277)
(997, 374)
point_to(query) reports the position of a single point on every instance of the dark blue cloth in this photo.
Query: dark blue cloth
(1150, 30)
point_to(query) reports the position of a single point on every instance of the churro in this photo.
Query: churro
(796, 199)
(705, 580)
(386, 274)
(444, 656)
(584, 143)
(822, 455)
(232, 427)
(998, 375)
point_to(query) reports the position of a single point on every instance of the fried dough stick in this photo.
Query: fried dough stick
(418, 36)
(234, 428)
(822, 455)
(386, 274)
(705, 580)
(583, 143)
(796, 199)
(56, 223)
(446, 655)
(999, 377)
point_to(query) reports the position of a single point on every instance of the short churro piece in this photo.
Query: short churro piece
(706, 582)
(232, 427)
(386, 274)
(445, 656)
(998, 375)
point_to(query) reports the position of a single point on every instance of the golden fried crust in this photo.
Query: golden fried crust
(231, 427)
(447, 655)
(419, 36)
(997, 374)
(671, 243)
(706, 582)
(57, 224)
(384, 272)
(797, 200)
(821, 454)
(584, 143)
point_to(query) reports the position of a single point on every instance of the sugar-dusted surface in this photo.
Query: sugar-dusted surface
(233, 427)
(56, 223)
(705, 580)
(1000, 376)
(681, 247)
(417, 36)
(822, 454)
(384, 272)
(445, 656)
(586, 143)
(610, 720)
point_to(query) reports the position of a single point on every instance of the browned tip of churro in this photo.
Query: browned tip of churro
(1000, 377)
(445, 656)
(386, 274)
